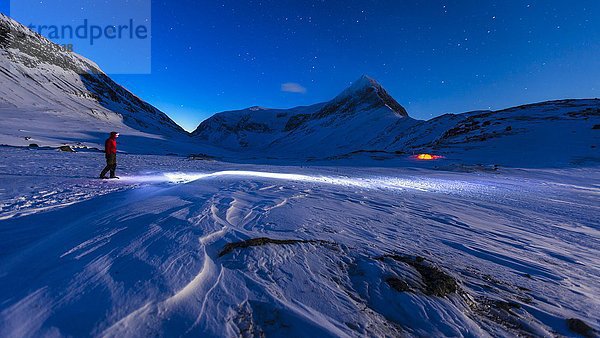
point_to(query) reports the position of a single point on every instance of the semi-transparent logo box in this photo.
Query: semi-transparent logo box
(115, 34)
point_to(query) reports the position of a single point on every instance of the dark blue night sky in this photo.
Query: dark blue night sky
(433, 56)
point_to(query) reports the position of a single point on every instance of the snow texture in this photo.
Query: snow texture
(306, 222)
(336, 251)
(50, 97)
(365, 125)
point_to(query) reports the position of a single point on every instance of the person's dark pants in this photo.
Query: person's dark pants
(111, 165)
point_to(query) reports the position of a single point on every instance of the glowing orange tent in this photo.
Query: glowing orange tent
(427, 157)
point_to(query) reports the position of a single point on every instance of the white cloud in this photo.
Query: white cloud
(291, 87)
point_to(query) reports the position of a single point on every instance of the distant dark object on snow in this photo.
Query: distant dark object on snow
(437, 282)
(230, 247)
(66, 149)
(201, 157)
(34, 145)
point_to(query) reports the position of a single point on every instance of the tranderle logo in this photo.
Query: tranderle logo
(91, 32)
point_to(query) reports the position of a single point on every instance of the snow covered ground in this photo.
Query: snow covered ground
(193, 248)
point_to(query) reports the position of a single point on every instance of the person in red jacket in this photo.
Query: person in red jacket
(110, 152)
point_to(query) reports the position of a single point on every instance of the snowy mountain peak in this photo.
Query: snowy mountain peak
(351, 121)
(363, 82)
(257, 108)
(365, 94)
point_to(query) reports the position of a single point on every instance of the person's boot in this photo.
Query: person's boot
(113, 175)
(104, 172)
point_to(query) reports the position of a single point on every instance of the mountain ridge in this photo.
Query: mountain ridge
(57, 96)
(51, 97)
(254, 129)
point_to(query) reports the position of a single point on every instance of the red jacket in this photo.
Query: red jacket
(110, 146)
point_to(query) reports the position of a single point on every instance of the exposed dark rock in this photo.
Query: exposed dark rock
(437, 282)
(246, 324)
(30, 49)
(66, 149)
(398, 284)
(34, 145)
(580, 327)
(586, 113)
(296, 121)
(38, 48)
(462, 128)
(525, 299)
(265, 241)
(246, 125)
(506, 306)
(499, 312)
(200, 157)
(491, 279)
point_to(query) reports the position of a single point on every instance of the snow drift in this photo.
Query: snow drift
(223, 250)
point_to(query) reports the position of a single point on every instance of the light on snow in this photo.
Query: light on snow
(372, 182)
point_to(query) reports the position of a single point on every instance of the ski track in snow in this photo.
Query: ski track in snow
(122, 262)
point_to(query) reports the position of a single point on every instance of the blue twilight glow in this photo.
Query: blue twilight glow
(433, 56)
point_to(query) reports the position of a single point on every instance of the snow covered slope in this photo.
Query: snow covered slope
(554, 133)
(365, 124)
(253, 251)
(249, 129)
(352, 121)
(50, 97)
(349, 122)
